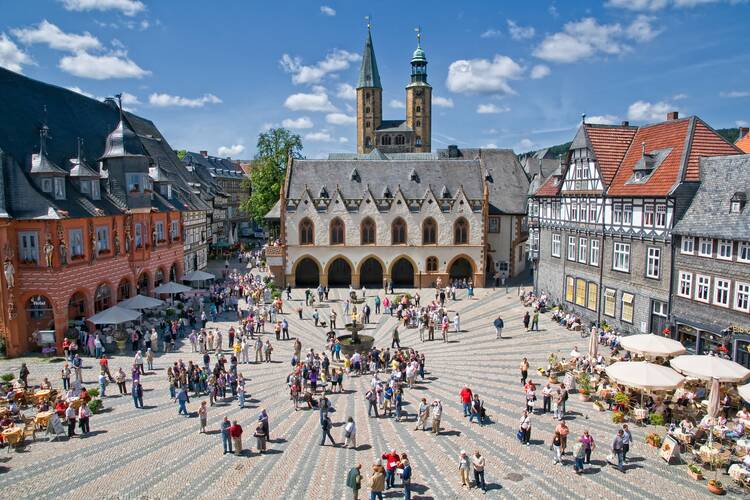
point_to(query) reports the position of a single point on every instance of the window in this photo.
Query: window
(580, 292)
(429, 231)
(432, 264)
(75, 243)
(742, 296)
(306, 232)
(569, 288)
(592, 210)
(724, 251)
(95, 193)
(617, 213)
(59, 188)
(571, 248)
(706, 247)
(418, 141)
(648, 215)
(136, 183)
(398, 232)
(367, 109)
(743, 251)
(367, 232)
(556, 245)
(621, 257)
(703, 285)
(574, 211)
(47, 185)
(28, 247)
(593, 299)
(594, 253)
(661, 215)
(721, 292)
(385, 140)
(582, 250)
(102, 238)
(174, 229)
(400, 140)
(627, 214)
(583, 211)
(461, 232)
(610, 299)
(337, 232)
(86, 187)
(494, 225)
(159, 231)
(685, 285)
(419, 109)
(419, 123)
(735, 207)
(653, 262)
(688, 245)
(102, 298)
(139, 235)
(626, 314)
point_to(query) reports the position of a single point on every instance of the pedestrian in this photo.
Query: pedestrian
(526, 320)
(372, 402)
(203, 415)
(477, 410)
(350, 433)
(137, 393)
(70, 418)
(235, 432)
(546, 398)
(405, 467)
(354, 480)
(617, 450)
(260, 437)
(150, 359)
(84, 414)
(23, 375)
(499, 324)
(525, 428)
(226, 440)
(103, 384)
(588, 445)
(535, 321)
(563, 429)
(466, 396)
(267, 350)
(627, 438)
(524, 370)
(423, 413)
(183, 398)
(377, 481)
(437, 413)
(392, 460)
(325, 426)
(578, 455)
(463, 469)
(478, 462)
(395, 338)
(120, 379)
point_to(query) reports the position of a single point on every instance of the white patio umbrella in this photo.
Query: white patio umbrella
(644, 375)
(593, 346)
(172, 288)
(714, 399)
(199, 275)
(140, 302)
(652, 345)
(744, 391)
(115, 315)
(710, 367)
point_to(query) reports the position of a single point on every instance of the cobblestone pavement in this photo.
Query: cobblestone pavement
(154, 453)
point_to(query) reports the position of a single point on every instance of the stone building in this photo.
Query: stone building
(603, 222)
(711, 278)
(91, 209)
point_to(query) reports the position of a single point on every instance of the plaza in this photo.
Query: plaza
(156, 453)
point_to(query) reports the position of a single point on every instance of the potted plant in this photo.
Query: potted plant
(7, 377)
(653, 440)
(656, 419)
(695, 472)
(622, 400)
(96, 405)
(618, 417)
(93, 392)
(584, 386)
(120, 339)
(715, 487)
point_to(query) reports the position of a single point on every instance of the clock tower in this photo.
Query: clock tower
(419, 101)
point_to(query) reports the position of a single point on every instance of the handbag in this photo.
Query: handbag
(519, 435)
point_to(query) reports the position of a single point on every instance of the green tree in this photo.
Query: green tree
(269, 169)
(181, 153)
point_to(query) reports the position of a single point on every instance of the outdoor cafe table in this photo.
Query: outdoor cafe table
(41, 395)
(42, 419)
(13, 435)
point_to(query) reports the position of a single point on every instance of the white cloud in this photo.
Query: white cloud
(735, 93)
(316, 101)
(115, 65)
(553, 11)
(11, 57)
(520, 32)
(267, 126)
(525, 145)
(230, 151)
(340, 119)
(644, 110)
(442, 102)
(679, 97)
(491, 109)
(336, 60)
(742, 123)
(321, 136)
(167, 100)
(483, 76)
(585, 38)
(491, 33)
(55, 38)
(301, 122)
(539, 71)
(129, 99)
(328, 11)
(79, 90)
(638, 5)
(491, 145)
(346, 92)
(127, 7)
(396, 104)
(343, 140)
(602, 119)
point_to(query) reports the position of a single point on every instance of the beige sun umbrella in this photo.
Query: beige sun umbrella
(644, 375)
(652, 345)
(714, 399)
(744, 392)
(710, 367)
(593, 346)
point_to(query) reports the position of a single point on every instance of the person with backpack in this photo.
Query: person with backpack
(350, 433)
(372, 402)
(525, 428)
(499, 324)
(325, 426)
(477, 410)
(354, 480)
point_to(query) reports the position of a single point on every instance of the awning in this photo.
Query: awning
(172, 288)
(140, 302)
(199, 275)
(115, 315)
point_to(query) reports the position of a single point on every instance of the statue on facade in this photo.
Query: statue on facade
(116, 240)
(63, 252)
(153, 236)
(92, 239)
(10, 272)
(49, 250)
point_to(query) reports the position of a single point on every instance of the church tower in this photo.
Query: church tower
(419, 101)
(369, 98)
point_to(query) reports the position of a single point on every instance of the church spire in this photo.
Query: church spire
(368, 72)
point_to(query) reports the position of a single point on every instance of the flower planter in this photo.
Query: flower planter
(585, 396)
(695, 475)
(716, 489)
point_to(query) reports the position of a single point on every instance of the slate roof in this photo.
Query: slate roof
(368, 71)
(394, 126)
(708, 214)
(217, 167)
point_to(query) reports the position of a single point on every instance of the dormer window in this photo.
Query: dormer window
(47, 185)
(737, 203)
(137, 183)
(86, 187)
(95, 192)
(59, 188)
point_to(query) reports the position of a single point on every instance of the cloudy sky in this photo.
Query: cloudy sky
(505, 74)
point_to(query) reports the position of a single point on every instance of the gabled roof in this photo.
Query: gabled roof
(551, 186)
(609, 144)
(744, 143)
(368, 71)
(394, 126)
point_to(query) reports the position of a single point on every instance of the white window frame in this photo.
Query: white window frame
(724, 249)
(648, 215)
(705, 244)
(572, 248)
(102, 244)
(653, 262)
(556, 245)
(722, 289)
(627, 214)
(594, 253)
(627, 298)
(660, 218)
(742, 296)
(29, 252)
(685, 285)
(743, 251)
(702, 287)
(75, 243)
(583, 244)
(593, 211)
(159, 231)
(95, 191)
(621, 257)
(174, 229)
(687, 246)
(617, 214)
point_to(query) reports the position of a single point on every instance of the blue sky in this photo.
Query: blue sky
(212, 75)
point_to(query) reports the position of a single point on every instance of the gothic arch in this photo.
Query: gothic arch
(371, 271)
(403, 270)
(461, 266)
(339, 271)
(306, 271)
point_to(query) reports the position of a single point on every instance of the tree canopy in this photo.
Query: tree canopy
(269, 169)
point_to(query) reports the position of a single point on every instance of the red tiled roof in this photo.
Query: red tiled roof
(744, 143)
(610, 145)
(706, 142)
(550, 187)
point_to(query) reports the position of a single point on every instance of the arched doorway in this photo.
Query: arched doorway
(402, 273)
(173, 272)
(39, 316)
(124, 290)
(339, 273)
(159, 277)
(141, 287)
(102, 298)
(371, 273)
(460, 269)
(489, 267)
(77, 307)
(307, 273)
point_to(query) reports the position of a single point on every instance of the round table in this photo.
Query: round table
(42, 418)
(13, 435)
(41, 395)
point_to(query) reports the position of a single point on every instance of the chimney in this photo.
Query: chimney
(452, 151)
(743, 132)
(625, 123)
(204, 153)
(672, 115)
